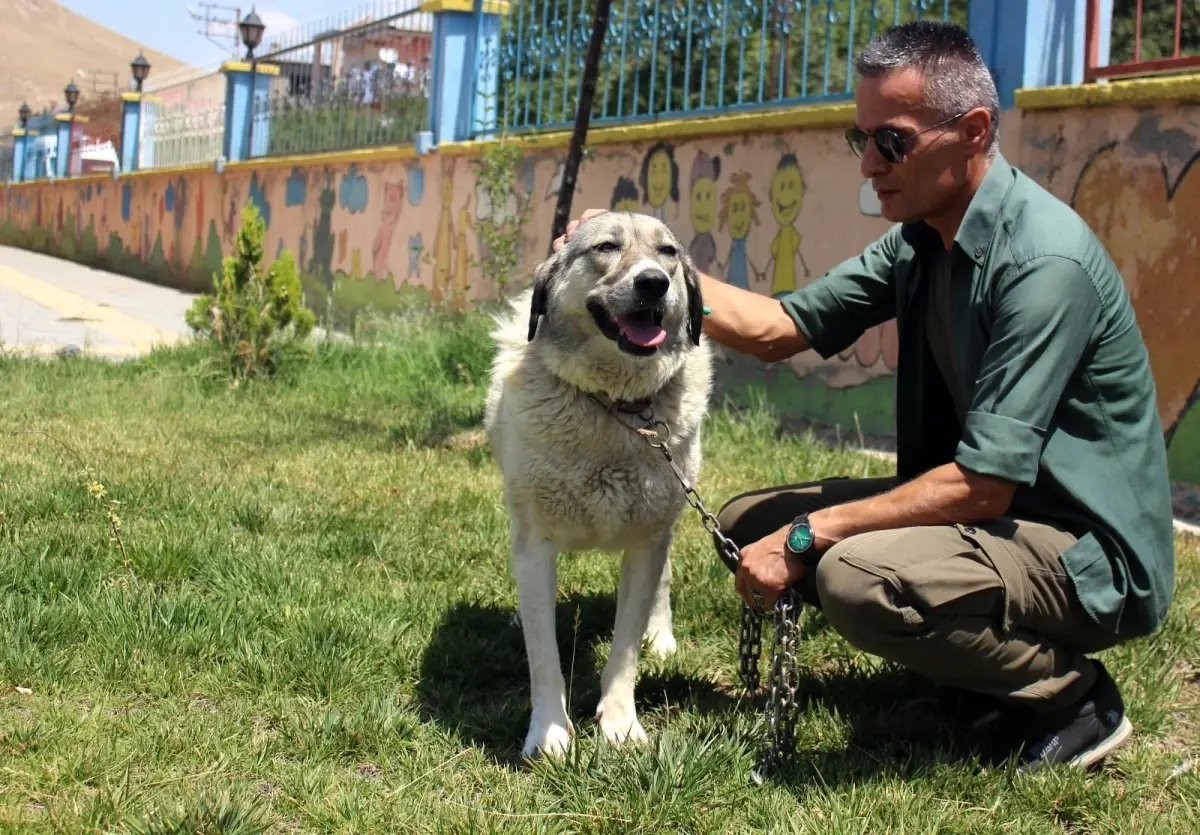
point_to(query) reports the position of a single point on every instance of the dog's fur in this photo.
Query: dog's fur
(576, 475)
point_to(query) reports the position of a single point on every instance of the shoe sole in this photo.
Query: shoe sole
(1110, 743)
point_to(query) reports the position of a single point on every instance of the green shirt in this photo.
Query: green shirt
(1052, 369)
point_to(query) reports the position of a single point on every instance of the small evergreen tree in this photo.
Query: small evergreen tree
(255, 319)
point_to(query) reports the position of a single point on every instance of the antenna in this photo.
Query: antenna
(222, 31)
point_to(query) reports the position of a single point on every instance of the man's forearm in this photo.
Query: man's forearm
(749, 322)
(941, 496)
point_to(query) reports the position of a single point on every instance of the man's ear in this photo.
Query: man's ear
(691, 281)
(543, 276)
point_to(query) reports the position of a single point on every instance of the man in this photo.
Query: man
(1030, 520)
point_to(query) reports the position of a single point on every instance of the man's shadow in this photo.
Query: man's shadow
(474, 678)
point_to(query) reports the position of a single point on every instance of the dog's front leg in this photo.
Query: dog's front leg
(659, 631)
(641, 573)
(534, 567)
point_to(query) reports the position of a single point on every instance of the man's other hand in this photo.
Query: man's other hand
(561, 241)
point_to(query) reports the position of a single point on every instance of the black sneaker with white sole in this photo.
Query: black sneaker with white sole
(1082, 734)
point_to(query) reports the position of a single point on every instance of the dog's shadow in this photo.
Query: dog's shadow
(474, 679)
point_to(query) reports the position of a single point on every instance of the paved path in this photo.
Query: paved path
(48, 304)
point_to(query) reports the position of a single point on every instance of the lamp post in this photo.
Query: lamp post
(71, 94)
(23, 114)
(140, 68)
(251, 28)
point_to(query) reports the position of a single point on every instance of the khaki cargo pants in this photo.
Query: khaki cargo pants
(986, 608)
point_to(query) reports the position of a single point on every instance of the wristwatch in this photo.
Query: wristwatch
(801, 542)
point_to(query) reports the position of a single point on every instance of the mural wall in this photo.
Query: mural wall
(1132, 174)
(766, 211)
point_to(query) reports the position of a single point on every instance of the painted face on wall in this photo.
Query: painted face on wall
(626, 204)
(739, 215)
(787, 191)
(704, 205)
(658, 178)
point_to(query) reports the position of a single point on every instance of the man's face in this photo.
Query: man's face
(933, 169)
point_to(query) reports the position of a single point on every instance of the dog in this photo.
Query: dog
(610, 329)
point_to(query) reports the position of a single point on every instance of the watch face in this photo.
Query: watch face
(799, 538)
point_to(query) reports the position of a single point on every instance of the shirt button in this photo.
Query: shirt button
(978, 252)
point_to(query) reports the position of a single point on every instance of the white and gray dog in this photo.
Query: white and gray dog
(611, 326)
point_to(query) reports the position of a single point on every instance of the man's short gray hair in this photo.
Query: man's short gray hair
(956, 77)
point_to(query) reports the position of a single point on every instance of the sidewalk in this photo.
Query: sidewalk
(48, 305)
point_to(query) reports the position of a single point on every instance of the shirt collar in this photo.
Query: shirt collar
(975, 233)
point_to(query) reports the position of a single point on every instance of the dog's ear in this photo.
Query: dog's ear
(543, 276)
(695, 299)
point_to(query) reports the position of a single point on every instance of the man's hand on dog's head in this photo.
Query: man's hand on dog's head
(561, 241)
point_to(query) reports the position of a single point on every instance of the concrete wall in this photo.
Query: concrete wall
(766, 201)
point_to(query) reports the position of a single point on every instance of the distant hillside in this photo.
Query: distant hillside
(45, 45)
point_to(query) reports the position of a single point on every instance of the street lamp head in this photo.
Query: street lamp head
(24, 114)
(140, 68)
(71, 93)
(251, 28)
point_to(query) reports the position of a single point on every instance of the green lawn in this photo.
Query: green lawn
(306, 624)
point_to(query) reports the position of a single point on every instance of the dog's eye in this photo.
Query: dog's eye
(606, 246)
(668, 250)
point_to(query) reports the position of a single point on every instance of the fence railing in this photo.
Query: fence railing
(1146, 37)
(180, 138)
(366, 83)
(678, 57)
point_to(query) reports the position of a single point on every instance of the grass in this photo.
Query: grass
(299, 618)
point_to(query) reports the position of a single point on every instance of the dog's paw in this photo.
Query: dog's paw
(620, 724)
(661, 644)
(548, 739)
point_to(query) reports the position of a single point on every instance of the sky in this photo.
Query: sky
(167, 26)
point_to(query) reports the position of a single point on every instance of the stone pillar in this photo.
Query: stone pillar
(69, 128)
(1031, 43)
(131, 129)
(247, 101)
(465, 70)
(18, 164)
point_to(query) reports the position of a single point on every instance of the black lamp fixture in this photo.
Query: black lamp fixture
(71, 93)
(24, 113)
(140, 68)
(251, 28)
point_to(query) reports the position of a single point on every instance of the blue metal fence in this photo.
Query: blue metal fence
(673, 58)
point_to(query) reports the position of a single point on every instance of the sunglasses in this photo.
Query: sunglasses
(890, 141)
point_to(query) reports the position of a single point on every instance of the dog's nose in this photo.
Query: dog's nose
(651, 284)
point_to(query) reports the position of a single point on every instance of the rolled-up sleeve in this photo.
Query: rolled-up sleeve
(1046, 314)
(859, 293)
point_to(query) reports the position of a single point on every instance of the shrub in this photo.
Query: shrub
(255, 319)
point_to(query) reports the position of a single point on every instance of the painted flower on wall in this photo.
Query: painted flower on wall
(352, 196)
(258, 196)
(416, 183)
(297, 188)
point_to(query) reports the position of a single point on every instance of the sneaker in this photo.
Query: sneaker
(1082, 734)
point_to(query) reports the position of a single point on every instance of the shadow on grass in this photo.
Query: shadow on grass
(475, 676)
(896, 725)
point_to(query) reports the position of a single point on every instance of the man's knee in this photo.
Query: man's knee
(860, 588)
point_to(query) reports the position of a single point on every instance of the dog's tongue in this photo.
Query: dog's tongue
(641, 330)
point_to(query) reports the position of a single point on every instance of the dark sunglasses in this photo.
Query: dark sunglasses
(890, 142)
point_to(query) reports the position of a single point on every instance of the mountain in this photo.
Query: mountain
(46, 45)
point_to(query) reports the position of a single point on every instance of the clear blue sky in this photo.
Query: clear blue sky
(167, 26)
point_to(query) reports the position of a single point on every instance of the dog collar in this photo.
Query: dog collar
(629, 407)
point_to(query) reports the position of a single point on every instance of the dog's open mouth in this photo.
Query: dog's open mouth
(638, 332)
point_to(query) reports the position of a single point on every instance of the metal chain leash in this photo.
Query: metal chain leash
(780, 735)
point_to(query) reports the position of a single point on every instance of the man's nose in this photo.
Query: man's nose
(873, 164)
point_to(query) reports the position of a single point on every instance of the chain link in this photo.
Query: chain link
(780, 734)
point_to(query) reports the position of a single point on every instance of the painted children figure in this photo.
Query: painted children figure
(739, 208)
(705, 171)
(787, 195)
(660, 179)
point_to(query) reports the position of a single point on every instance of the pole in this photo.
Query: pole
(591, 68)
